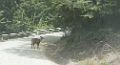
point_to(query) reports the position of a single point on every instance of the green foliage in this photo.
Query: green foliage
(22, 15)
(84, 18)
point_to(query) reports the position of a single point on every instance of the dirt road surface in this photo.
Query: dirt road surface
(18, 51)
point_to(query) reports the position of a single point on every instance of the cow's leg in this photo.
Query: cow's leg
(31, 45)
(34, 46)
(37, 45)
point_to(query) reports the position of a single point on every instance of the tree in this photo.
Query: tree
(21, 15)
(84, 18)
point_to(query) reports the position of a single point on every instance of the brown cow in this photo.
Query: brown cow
(36, 41)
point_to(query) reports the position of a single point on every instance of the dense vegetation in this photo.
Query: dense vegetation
(21, 15)
(89, 21)
(86, 19)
